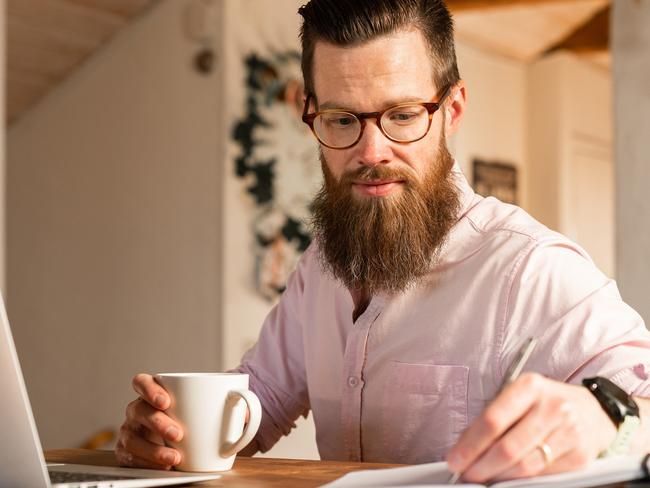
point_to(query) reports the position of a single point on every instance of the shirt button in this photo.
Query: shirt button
(353, 381)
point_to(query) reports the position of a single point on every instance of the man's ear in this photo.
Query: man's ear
(455, 108)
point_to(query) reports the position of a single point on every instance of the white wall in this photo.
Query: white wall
(545, 129)
(495, 124)
(113, 228)
(588, 178)
(631, 68)
(571, 186)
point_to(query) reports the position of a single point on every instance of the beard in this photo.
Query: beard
(385, 244)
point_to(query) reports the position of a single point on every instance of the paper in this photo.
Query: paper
(600, 472)
(430, 475)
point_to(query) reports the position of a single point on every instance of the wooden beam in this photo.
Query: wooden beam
(123, 8)
(592, 36)
(457, 6)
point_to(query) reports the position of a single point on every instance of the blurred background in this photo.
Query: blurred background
(157, 175)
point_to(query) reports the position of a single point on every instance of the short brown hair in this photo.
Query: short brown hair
(353, 22)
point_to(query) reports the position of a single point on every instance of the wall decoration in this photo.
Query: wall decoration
(495, 179)
(278, 162)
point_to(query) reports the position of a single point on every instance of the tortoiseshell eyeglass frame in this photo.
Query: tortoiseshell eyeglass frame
(431, 107)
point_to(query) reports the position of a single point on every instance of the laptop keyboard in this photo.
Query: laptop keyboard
(66, 477)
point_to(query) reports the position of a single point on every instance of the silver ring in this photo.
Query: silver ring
(546, 452)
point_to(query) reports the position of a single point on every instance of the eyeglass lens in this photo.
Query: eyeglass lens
(404, 123)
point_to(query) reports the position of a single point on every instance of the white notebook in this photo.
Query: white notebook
(600, 472)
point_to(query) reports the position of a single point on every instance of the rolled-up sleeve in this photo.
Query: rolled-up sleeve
(276, 366)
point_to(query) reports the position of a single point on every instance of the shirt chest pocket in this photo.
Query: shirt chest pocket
(424, 410)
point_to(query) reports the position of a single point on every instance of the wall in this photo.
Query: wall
(495, 124)
(588, 179)
(544, 140)
(631, 69)
(571, 186)
(113, 217)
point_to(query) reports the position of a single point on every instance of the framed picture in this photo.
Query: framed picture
(495, 179)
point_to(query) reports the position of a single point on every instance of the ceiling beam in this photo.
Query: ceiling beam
(468, 5)
(592, 36)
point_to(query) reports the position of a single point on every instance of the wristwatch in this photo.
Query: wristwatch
(620, 407)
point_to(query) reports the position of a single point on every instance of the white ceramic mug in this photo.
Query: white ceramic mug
(209, 408)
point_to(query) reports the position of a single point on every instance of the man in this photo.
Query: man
(399, 323)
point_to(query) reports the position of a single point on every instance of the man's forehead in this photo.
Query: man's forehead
(394, 67)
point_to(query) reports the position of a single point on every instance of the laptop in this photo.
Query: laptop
(22, 463)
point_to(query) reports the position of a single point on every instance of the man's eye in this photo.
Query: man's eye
(339, 121)
(403, 116)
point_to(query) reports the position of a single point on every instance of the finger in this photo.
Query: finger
(562, 442)
(139, 448)
(141, 414)
(137, 462)
(531, 466)
(511, 449)
(153, 437)
(499, 416)
(570, 461)
(150, 391)
(127, 459)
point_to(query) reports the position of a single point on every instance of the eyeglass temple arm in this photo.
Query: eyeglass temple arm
(447, 92)
(306, 106)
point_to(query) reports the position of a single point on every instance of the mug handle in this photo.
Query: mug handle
(255, 417)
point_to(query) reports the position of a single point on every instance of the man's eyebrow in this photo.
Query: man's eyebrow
(386, 104)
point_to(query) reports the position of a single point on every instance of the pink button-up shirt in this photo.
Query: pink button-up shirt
(402, 382)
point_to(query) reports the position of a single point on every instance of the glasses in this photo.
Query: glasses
(340, 129)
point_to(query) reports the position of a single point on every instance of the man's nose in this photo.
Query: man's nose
(374, 147)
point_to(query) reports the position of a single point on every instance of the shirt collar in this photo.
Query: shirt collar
(466, 195)
(459, 243)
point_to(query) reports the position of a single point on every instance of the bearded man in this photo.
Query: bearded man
(400, 321)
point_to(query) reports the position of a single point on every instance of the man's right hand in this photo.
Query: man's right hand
(140, 442)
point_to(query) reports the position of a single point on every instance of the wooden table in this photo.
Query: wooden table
(247, 472)
(261, 472)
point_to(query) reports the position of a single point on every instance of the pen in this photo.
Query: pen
(511, 375)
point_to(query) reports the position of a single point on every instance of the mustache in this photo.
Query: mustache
(379, 172)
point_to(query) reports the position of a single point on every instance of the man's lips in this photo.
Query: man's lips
(377, 188)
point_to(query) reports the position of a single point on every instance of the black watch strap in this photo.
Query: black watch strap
(615, 401)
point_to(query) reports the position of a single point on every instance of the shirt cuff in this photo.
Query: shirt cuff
(279, 409)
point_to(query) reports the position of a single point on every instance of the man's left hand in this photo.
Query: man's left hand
(506, 441)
